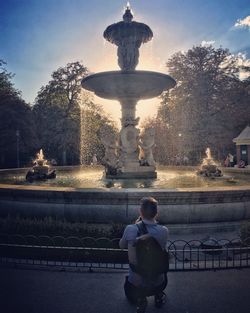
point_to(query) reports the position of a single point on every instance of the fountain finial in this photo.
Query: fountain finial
(128, 16)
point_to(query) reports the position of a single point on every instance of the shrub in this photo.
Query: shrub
(245, 232)
(49, 226)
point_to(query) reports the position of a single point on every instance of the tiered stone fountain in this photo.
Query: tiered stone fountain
(130, 155)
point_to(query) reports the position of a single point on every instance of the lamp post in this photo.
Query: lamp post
(17, 148)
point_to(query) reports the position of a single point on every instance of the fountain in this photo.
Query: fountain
(41, 169)
(131, 155)
(209, 168)
(187, 202)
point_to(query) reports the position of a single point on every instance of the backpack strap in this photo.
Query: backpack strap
(142, 229)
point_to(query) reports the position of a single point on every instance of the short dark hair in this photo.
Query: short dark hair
(149, 207)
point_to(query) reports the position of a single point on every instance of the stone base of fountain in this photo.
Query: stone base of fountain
(189, 210)
(41, 169)
(33, 175)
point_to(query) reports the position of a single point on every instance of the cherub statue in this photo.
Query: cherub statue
(109, 141)
(147, 143)
(129, 137)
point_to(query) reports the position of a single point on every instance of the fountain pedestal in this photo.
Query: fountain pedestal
(129, 165)
(128, 87)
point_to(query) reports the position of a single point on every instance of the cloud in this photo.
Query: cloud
(243, 23)
(205, 43)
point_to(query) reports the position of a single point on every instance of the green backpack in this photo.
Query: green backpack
(151, 259)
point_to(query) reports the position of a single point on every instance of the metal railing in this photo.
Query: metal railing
(88, 252)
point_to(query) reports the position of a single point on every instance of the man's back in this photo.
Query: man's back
(142, 254)
(131, 232)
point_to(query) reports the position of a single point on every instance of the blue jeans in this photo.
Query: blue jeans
(133, 293)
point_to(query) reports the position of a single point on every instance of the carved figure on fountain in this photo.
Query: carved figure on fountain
(129, 137)
(128, 54)
(209, 168)
(110, 159)
(128, 36)
(129, 121)
(147, 143)
(40, 170)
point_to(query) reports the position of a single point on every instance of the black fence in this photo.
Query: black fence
(88, 252)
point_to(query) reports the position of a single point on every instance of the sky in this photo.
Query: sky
(37, 37)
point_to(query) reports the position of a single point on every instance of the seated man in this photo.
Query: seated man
(137, 287)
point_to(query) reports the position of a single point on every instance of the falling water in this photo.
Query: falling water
(40, 158)
(82, 134)
(208, 153)
(208, 160)
(86, 132)
(40, 155)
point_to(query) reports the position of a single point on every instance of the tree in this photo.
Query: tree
(208, 107)
(67, 119)
(93, 122)
(16, 123)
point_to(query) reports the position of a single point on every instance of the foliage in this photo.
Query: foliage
(66, 115)
(15, 115)
(54, 227)
(93, 120)
(208, 107)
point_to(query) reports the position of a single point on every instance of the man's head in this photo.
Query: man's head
(148, 208)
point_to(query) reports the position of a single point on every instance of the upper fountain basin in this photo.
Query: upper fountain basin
(116, 85)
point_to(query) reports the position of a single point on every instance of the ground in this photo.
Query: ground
(43, 291)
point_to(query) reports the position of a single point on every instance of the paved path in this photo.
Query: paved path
(43, 291)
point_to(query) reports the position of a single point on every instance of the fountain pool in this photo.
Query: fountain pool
(169, 178)
(187, 203)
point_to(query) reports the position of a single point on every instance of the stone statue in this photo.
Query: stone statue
(209, 168)
(41, 170)
(128, 53)
(110, 159)
(128, 35)
(127, 121)
(129, 137)
(147, 143)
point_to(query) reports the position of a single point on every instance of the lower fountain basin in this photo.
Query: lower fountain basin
(81, 195)
(116, 85)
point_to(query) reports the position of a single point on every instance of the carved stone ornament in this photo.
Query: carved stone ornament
(110, 143)
(147, 143)
(129, 139)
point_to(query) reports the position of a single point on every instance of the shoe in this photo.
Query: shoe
(141, 305)
(160, 299)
